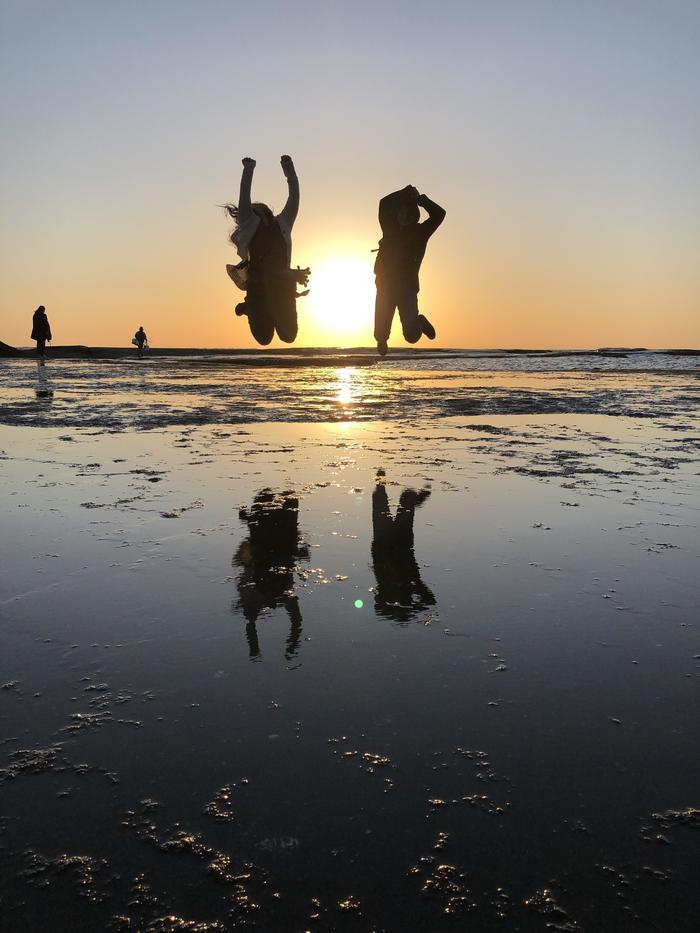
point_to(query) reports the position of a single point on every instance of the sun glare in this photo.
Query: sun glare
(340, 305)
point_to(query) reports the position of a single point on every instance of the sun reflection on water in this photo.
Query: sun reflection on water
(346, 392)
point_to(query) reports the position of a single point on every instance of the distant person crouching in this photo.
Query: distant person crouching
(41, 331)
(140, 341)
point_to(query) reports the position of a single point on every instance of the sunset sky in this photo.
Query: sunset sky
(563, 138)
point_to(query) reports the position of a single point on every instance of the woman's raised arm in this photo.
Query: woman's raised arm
(245, 211)
(291, 208)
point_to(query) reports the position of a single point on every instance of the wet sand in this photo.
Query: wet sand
(236, 692)
(118, 395)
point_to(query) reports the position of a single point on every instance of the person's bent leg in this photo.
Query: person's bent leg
(286, 323)
(287, 332)
(261, 327)
(384, 307)
(426, 327)
(291, 604)
(251, 634)
(410, 319)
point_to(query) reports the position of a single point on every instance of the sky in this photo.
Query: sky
(562, 138)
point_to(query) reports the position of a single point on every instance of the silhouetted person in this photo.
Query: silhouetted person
(400, 591)
(401, 250)
(268, 558)
(140, 339)
(41, 331)
(264, 244)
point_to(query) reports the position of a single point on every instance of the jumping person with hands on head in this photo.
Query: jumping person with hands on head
(401, 250)
(264, 245)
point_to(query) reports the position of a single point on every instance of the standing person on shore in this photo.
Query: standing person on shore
(41, 332)
(401, 251)
(264, 244)
(140, 339)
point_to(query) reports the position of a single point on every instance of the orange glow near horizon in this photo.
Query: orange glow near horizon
(568, 177)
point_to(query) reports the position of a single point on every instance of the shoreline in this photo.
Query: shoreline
(117, 394)
(360, 356)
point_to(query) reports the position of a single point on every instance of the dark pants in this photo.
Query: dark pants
(41, 346)
(283, 310)
(271, 306)
(390, 296)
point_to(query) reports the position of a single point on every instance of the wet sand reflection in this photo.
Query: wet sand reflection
(400, 592)
(268, 559)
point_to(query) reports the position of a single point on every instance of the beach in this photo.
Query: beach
(343, 645)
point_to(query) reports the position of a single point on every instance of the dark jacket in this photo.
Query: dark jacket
(401, 248)
(41, 329)
(268, 251)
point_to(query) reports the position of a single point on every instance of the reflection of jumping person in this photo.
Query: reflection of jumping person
(268, 558)
(141, 339)
(401, 251)
(264, 244)
(400, 591)
(41, 331)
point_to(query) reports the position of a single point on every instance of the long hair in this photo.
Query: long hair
(262, 210)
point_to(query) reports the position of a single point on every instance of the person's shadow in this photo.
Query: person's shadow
(400, 593)
(268, 559)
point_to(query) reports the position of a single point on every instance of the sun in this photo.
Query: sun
(340, 306)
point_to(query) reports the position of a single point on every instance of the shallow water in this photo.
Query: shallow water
(225, 708)
(168, 391)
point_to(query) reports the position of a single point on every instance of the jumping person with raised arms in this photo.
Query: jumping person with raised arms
(264, 244)
(401, 251)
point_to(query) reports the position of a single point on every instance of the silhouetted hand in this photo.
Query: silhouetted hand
(301, 276)
(248, 162)
(410, 499)
(412, 191)
(287, 165)
(422, 496)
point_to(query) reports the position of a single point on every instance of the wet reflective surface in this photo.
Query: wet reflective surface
(269, 560)
(161, 392)
(399, 592)
(432, 676)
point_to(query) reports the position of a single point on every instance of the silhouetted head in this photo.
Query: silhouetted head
(263, 212)
(408, 215)
(140, 326)
(41, 310)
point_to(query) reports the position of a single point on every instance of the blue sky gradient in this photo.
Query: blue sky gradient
(563, 139)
